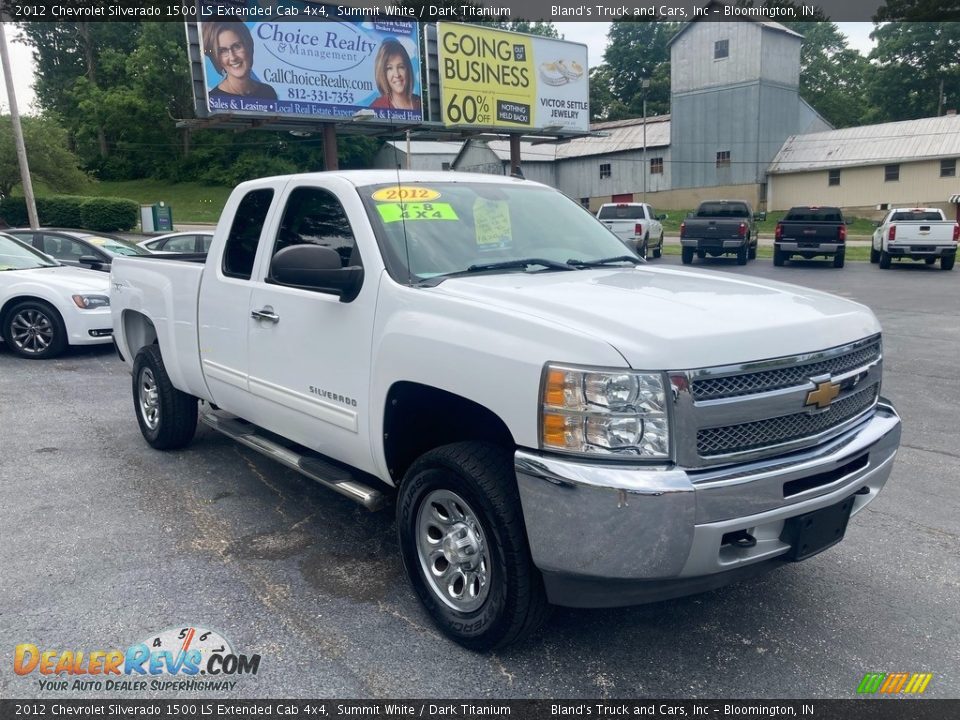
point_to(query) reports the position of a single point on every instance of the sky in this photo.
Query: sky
(592, 34)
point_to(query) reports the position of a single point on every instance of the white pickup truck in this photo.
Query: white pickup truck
(467, 349)
(636, 224)
(915, 233)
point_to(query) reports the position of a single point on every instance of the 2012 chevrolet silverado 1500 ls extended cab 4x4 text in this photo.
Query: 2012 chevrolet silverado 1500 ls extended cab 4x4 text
(466, 349)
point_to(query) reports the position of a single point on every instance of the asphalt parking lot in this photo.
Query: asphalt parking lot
(106, 542)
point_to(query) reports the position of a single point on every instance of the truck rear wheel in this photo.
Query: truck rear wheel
(838, 259)
(464, 546)
(686, 255)
(658, 250)
(742, 255)
(167, 416)
(947, 261)
(779, 256)
(884, 259)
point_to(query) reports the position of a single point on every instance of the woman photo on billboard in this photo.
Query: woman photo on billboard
(394, 75)
(229, 46)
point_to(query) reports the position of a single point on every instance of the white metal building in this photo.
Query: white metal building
(424, 155)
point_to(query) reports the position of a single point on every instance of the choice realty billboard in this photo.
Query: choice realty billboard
(303, 59)
(493, 78)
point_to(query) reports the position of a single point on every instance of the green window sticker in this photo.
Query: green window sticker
(395, 212)
(491, 219)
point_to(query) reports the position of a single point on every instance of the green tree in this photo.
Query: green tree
(831, 73)
(914, 70)
(637, 51)
(47, 154)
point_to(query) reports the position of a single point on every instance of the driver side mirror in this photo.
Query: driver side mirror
(662, 217)
(760, 216)
(91, 260)
(317, 268)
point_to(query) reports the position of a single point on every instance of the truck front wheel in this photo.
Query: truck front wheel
(884, 260)
(464, 546)
(874, 255)
(742, 255)
(167, 416)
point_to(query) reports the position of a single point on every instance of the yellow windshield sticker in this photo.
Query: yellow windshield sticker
(491, 218)
(395, 212)
(405, 192)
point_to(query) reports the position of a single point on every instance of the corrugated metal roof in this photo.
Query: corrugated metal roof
(427, 147)
(769, 24)
(870, 145)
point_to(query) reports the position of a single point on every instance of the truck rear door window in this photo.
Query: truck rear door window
(241, 248)
(622, 212)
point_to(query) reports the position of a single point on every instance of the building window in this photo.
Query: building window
(444, 166)
(604, 170)
(656, 166)
(833, 177)
(723, 158)
(585, 202)
(948, 168)
(891, 173)
(721, 49)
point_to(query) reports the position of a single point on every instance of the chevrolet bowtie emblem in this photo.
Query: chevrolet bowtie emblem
(823, 394)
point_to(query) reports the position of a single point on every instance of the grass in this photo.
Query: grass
(858, 227)
(853, 253)
(191, 202)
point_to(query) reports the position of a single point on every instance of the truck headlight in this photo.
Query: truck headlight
(91, 302)
(605, 412)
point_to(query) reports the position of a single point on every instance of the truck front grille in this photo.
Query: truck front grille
(778, 430)
(715, 388)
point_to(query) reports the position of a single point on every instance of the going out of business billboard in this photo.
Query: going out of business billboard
(494, 78)
(280, 65)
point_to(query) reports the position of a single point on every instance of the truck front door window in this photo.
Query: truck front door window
(314, 216)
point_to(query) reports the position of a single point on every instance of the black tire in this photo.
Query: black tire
(779, 256)
(658, 250)
(686, 255)
(742, 255)
(481, 476)
(838, 259)
(752, 252)
(167, 416)
(33, 329)
(947, 261)
(643, 248)
(884, 260)
(874, 255)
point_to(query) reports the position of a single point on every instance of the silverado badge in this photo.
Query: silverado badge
(823, 394)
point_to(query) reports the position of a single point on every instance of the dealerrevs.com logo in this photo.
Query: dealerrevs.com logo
(187, 658)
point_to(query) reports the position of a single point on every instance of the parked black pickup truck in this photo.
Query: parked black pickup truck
(719, 227)
(811, 232)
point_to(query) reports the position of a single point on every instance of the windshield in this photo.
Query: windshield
(14, 255)
(447, 228)
(116, 246)
(622, 212)
(723, 210)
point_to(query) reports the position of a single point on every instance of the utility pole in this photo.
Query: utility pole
(646, 86)
(18, 133)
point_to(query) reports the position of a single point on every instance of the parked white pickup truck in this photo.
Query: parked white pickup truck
(469, 349)
(636, 224)
(915, 233)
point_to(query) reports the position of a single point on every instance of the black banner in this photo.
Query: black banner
(485, 10)
(854, 709)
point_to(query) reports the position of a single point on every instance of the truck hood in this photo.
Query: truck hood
(673, 319)
(68, 279)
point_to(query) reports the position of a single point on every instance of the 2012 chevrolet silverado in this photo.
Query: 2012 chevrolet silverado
(467, 349)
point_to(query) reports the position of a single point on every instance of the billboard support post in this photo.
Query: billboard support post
(514, 154)
(329, 146)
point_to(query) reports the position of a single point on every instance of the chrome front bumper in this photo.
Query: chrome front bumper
(640, 533)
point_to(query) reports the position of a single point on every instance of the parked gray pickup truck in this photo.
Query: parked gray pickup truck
(719, 227)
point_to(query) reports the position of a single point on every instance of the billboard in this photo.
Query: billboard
(493, 78)
(280, 66)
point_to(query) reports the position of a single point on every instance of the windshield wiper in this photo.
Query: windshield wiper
(521, 263)
(604, 261)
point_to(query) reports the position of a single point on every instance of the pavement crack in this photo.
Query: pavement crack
(947, 453)
(281, 498)
(384, 608)
(503, 670)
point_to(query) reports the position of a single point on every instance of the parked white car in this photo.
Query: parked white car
(45, 306)
(179, 242)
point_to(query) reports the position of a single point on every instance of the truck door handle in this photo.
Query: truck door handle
(265, 314)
